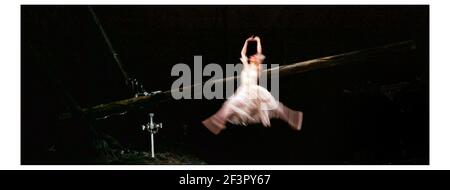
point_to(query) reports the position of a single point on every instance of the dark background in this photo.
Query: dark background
(374, 112)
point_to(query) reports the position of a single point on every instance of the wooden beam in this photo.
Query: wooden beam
(137, 103)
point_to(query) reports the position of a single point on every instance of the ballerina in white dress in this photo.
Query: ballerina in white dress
(252, 103)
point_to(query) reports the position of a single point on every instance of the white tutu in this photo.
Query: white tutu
(251, 103)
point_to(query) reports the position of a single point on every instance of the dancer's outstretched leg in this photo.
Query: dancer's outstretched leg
(292, 117)
(216, 123)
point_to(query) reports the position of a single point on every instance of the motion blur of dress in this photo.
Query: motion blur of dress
(252, 104)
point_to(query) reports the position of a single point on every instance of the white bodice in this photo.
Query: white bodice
(249, 74)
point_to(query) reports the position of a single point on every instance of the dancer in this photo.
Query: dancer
(252, 103)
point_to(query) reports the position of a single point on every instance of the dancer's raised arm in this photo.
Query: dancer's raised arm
(259, 46)
(244, 48)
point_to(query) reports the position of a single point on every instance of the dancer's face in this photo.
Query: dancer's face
(254, 59)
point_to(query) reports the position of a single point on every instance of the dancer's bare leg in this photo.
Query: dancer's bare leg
(292, 117)
(216, 123)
